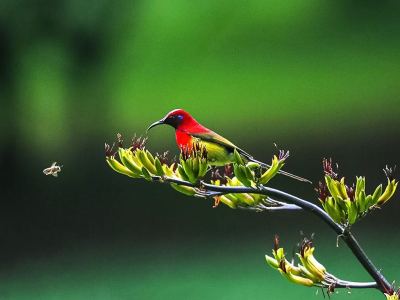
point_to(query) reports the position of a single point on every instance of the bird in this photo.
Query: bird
(220, 151)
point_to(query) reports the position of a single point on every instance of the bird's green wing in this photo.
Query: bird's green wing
(215, 138)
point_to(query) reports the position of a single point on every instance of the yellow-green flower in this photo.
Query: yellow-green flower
(393, 295)
(308, 273)
(347, 204)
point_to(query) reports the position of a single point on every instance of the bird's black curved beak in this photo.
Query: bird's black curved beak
(161, 122)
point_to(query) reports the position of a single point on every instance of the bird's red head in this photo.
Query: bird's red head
(177, 118)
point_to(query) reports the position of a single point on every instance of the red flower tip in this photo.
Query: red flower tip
(109, 150)
(322, 191)
(164, 159)
(305, 245)
(276, 242)
(328, 169)
(138, 142)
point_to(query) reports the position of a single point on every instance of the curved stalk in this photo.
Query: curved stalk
(381, 282)
(355, 285)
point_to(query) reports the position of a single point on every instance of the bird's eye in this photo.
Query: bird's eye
(180, 117)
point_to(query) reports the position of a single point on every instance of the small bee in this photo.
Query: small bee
(52, 170)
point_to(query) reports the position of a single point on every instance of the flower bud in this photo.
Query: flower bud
(389, 191)
(186, 190)
(308, 260)
(276, 165)
(120, 168)
(194, 163)
(244, 175)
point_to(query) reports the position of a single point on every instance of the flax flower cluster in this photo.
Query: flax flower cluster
(138, 162)
(242, 184)
(347, 204)
(249, 175)
(192, 168)
(309, 272)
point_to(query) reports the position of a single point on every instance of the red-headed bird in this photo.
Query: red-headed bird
(219, 149)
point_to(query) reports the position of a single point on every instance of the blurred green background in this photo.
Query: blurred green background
(318, 78)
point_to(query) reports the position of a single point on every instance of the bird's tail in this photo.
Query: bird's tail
(280, 171)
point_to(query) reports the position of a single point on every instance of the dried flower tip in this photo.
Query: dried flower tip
(389, 172)
(217, 200)
(197, 147)
(194, 150)
(276, 242)
(164, 159)
(185, 153)
(328, 169)
(204, 153)
(228, 170)
(120, 140)
(322, 191)
(306, 244)
(351, 191)
(200, 150)
(222, 174)
(331, 288)
(283, 155)
(282, 265)
(109, 150)
(138, 142)
(215, 175)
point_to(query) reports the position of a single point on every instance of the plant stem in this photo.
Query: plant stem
(355, 285)
(381, 282)
(346, 235)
